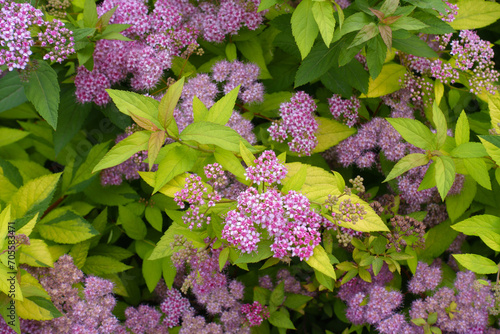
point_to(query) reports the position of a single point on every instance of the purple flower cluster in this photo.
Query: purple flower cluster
(463, 310)
(169, 30)
(346, 110)
(127, 169)
(426, 278)
(298, 123)
(361, 149)
(16, 40)
(235, 73)
(474, 56)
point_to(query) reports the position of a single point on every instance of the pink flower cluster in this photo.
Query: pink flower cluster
(346, 110)
(16, 40)
(268, 169)
(287, 219)
(255, 313)
(297, 121)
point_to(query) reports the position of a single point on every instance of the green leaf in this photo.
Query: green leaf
(115, 252)
(169, 271)
(154, 217)
(437, 240)
(365, 34)
(317, 63)
(456, 205)
(133, 225)
(231, 51)
(42, 89)
(406, 163)
(155, 143)
(469, 150)
(137, 141)
(246, 155)
(9, 136)
(304, 27)
(330, 133)
(476, 167)
(34, 196)
(376, 51)
(223, 256)
(90, 14)
(494, 107)
(436, 25)
(492, 146)
(221, 111)
(137, 104)
(151, 271)
(491, 239)
(477, 263)
(354, 22)
(252, 50)
(229, 162)
(296, 181)
(408, 23)
(474, 14)
(265, 4)
(323, 15)
(36, 254)
(281, 319)
(116, 195)
(163, 247)
(200, 112)
(440, 124)
(178, 160)
(476, 225)
(297, 301)
(462, 129)
(388, 81)
(168, 103)
(414, 132)
(445, 174)
(320, 262)
(11, 91)
(214, 134)
(263, 252)
(100, 265)
(66, 227)
(277, 295)
(415, 46)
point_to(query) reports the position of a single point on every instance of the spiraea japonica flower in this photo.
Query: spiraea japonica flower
(297, 123)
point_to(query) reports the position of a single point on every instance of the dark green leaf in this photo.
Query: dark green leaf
(375, 56)
(414, 46)
(317, 63)
(42, 89)
(11, 91)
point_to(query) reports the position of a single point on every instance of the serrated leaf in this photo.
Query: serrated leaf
(408, 23)
(34, 196)
(320, 262)
(137, 141)
(296, 181)
(163, 247)
(440, 124)
(252, 50)
(42, 89)
(64, 226)
(229, 162)
(481, 224)
(155, 143)
(388, 81)
(263, 252)
(414, 132)
(366, 33)
(469, 150)
(178, 160)
(154, 217)
(376, 50)
(491, 239)
(223, 256)
(323, 15)
(415, 46)
(456, 205)
(281, 319)
(36, 254)
(168, 103)
(304, 27)
(99, 265)
(477, 263)
(445, 174)
(207, 133)
(90, 14)
(319, 60)
(133, 225)
(330, 133)
(11, 91)
(476, 167)
(221, 111)
(151, 271)
(406, 163)
(462, 129)
(492, 146)
(474, 14)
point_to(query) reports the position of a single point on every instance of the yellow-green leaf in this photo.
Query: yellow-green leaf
(320, 261)
(477, 263)
(330, 133)
(304, 27)
(474, 14)
(388, 81)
